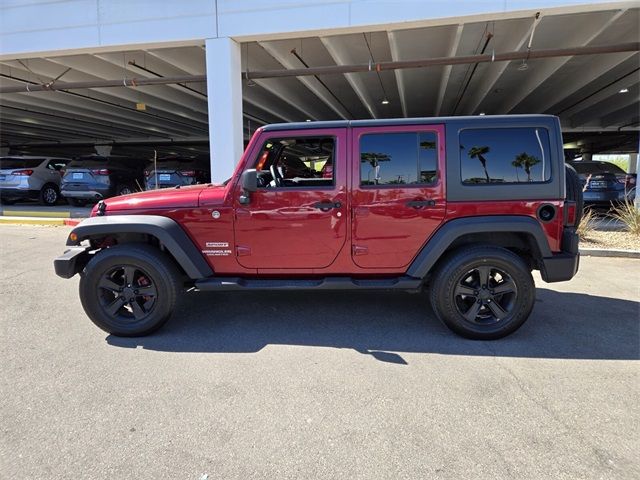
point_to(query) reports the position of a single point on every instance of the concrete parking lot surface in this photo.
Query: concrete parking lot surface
(315, 385)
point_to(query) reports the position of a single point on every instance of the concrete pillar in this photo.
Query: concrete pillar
(224, 91)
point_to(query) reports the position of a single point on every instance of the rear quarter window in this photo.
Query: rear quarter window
(504, 155)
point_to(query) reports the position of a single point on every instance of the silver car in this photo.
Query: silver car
(31, 178)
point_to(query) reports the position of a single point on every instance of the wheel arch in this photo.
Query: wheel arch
(521, 234)
(138, 228)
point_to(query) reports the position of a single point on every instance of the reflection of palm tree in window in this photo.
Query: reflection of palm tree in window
(525, 161)
(517, 166)
(374, 160)
(427, 176)
(479, 152)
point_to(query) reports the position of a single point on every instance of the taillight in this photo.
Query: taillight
(188, 173)
(570, 211)
(23, 173)
(101, 171)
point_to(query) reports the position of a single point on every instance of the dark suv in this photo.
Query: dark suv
(604, 183)
(93, 178)
(173, 171)
(462, 207)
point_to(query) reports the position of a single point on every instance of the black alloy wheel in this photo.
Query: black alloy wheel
(130, 289)
(482, 292)
(127, 293)
(485, 295)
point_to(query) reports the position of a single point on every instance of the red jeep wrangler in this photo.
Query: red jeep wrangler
(464, 206)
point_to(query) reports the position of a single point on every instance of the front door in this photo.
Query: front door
(296, 219)
(398, 187)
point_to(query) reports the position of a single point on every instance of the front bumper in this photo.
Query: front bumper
(71, 261)
(564, 265)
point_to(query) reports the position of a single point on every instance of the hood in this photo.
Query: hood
(162, 198)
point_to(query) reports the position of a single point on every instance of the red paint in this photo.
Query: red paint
(373, 233)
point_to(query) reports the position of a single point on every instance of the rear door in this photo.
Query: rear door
(398, 197)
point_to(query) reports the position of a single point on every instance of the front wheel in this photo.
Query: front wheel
(483, 293)
(130, 290)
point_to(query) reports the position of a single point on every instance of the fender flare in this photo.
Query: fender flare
(454, 229)
(166, 230)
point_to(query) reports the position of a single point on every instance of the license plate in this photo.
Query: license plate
(77, 176)
(597, 184)
(164, 177)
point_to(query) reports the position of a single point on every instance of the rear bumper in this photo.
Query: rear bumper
(71, 261)
(85, 194)
(562, 266)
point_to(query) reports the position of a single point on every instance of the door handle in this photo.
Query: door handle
(326, 206)
(421, 203)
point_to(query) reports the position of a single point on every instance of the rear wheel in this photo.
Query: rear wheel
(130, 290)
(49, 195)
(483, 293)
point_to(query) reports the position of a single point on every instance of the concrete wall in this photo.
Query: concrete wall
(37, 27)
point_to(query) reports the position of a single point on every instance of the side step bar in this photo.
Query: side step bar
(328, 283)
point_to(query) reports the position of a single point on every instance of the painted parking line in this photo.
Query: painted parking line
(35, 213)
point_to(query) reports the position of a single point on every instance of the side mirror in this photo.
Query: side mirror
(249, 180)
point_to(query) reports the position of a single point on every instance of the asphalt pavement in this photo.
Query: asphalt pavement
(315, 385)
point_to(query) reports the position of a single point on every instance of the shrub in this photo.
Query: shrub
(587, 224)
(628, 214)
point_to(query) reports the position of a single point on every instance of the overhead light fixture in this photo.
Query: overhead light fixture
(308, 120)
(385, 101)
(523, 66)
(482, 114)
(624, 90)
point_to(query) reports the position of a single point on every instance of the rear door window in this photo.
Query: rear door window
(504, 155)
(406, 158)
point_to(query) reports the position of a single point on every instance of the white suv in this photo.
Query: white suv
(31, 177)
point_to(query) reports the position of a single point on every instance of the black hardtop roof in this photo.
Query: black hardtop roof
(402, 121)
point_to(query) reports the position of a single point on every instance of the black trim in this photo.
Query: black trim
(71, 261)
(400, 121)
(560, 268)
(454, 229)
(328, 283)
(166, 230)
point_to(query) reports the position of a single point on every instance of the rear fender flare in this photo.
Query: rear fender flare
(454, 229)
(166, 230)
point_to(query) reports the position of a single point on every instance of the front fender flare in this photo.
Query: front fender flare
(166, 230)
(454, 229)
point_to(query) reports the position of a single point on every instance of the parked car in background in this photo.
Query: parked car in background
(174, 171)
(94, 177)
(31, 178)
(604, 183)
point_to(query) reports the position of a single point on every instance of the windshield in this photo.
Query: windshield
(10, 163)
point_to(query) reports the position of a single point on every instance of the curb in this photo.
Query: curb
(598, 252)
(26, 213)
(32, 221)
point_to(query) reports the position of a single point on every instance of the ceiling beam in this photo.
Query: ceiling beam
(446, 72)
(400, 79)
(340, 53)
(313, 84)
(584, 36)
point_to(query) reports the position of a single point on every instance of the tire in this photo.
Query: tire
(123, 189)
(574, 191)
(76, 202)
(49, 195)
(106, 298)
(456, 290)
